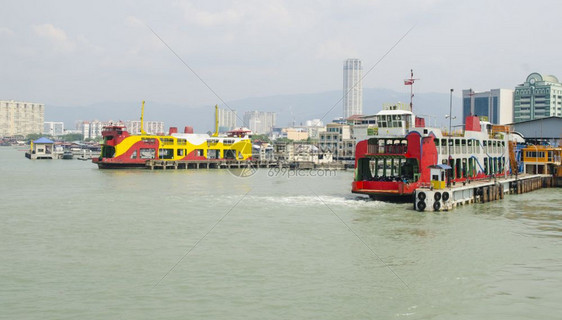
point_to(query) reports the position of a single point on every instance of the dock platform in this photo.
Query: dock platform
(427, 198)
(155, 164)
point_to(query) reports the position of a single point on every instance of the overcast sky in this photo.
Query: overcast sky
(76, 53)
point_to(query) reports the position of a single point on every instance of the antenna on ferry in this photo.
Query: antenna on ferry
(410, 82)
(142, 119)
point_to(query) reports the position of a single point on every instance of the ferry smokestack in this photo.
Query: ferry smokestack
(188, 129)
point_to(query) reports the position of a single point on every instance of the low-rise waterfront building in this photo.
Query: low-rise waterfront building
(540, 159)
(540, 131)
(338, 140)
(41, 148)
(314, 128)
(295, 134)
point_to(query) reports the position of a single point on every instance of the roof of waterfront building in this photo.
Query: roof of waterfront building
(43, 140)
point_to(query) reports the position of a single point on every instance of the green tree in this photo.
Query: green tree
(283, 140)
(35, 136)
(72, 137)
(260, 137)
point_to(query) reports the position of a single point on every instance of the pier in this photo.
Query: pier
(155, 164)
(430, 199)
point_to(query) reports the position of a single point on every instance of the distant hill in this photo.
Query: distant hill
(289, 108)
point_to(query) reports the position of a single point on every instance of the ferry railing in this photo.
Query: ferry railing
(425, 184)
(390, 149)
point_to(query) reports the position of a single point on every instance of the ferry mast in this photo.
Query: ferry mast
(410, 82)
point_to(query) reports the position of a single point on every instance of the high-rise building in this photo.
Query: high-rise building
(539, 97)
(150, 127)
(260, 122)
(92, 129)
(53, 128)
(495, 104)
(227, 120)
(21, 118)
(352, 88)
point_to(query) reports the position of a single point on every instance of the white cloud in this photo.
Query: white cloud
(335, 50)
(209, 18)
(56, 36)
(6, 32)
(254, 47)
(134, 22)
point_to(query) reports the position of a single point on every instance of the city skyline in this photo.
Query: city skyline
(260, 49)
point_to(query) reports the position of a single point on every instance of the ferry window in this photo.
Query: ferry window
(182, 142)
(107, 152)
(166, 153)
(134, 154)
(147, 153)
(213, 154)
(200, 152)
(180, 152)
(148, 140)
(229, 154)
(167, 141)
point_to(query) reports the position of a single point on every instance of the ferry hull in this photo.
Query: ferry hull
(384, 189)
(104, 164)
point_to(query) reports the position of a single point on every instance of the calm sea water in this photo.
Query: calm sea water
(81, 243)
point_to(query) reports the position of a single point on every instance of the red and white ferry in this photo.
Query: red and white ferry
(397, 158)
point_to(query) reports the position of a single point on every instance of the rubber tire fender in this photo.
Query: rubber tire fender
(421, 205)
(445, 196)
(437, 196)
(436, 206)
(421, 196)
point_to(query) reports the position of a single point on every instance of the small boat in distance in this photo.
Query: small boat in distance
(67, 155)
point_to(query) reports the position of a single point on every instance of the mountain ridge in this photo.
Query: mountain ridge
(290, 108)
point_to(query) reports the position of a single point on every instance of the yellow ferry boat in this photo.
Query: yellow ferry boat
(122, 150)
